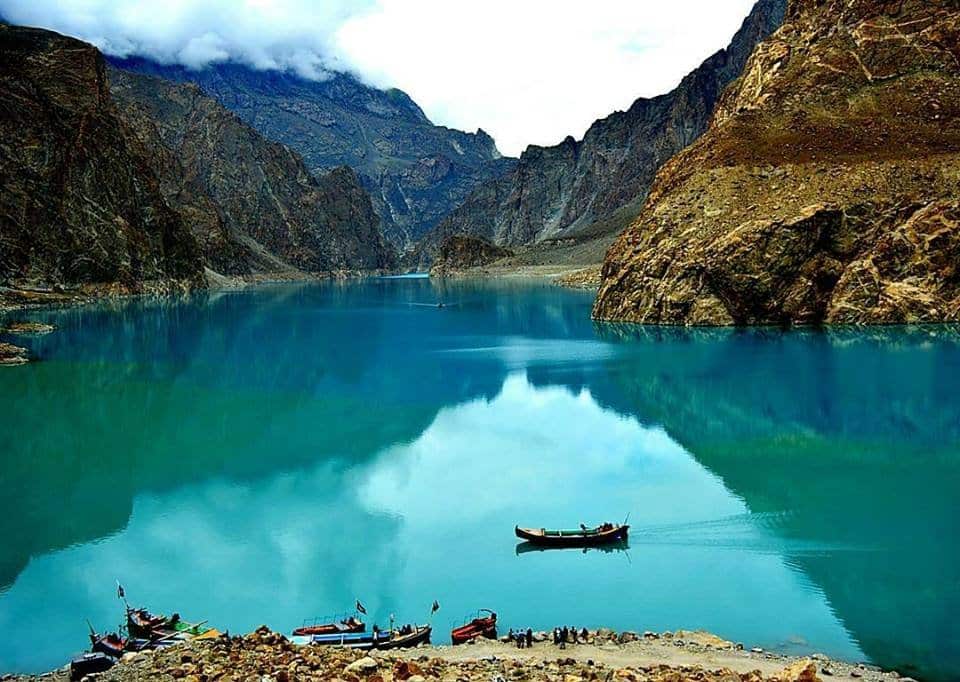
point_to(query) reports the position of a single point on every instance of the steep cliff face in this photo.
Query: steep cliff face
(827, 188)
(597, 185)
(415, 171)
(79, 202)
(252, 203)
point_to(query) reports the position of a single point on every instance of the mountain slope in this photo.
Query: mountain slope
(79, 203)
(826, 190)
(253, 203)
(597, 185)
(415, 171)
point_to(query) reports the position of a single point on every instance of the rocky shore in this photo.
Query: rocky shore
(680, 656)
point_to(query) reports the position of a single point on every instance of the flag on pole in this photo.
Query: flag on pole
(435, 607)
(120, 593)
(360, 607)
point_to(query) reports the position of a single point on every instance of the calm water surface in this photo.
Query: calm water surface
(271, 455)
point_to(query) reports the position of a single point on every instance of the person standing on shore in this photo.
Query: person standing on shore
(563, 637)
(529, 637)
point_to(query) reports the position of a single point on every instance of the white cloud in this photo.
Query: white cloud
(527, 71)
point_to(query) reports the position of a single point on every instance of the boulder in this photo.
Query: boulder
(804, 670)
(365, 666)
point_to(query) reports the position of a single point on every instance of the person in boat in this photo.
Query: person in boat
(529, 637)
(583, 527)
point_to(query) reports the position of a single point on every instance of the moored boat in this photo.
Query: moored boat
(407, 636)
(601, 535)
(141, 623)
(343, 625)
(111, 644)
(481, 626)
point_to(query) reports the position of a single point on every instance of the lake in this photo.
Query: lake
(270, 455)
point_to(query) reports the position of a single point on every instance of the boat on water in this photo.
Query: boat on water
(153, 627)
(111, 644)
(142, 623)
(481, 626)
(401, 638)
(332, 627)
(583, 537)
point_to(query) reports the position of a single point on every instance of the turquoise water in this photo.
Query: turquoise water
(272, 455)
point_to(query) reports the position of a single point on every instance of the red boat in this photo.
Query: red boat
(481, 626)
(351, 624)
(111, 644)
(142, 623)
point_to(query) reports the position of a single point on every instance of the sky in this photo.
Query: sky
(526, 71)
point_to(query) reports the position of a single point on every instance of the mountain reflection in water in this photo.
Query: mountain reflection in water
(270, 455)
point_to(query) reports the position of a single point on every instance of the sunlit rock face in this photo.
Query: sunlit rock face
(596, 186)
(416, 172)
(825, 190)
(79, 203)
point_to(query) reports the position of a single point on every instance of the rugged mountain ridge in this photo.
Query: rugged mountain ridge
(149, 186)
(581, 189)
(415, 171)
(252, 203)
(79, 203)
(827, 188)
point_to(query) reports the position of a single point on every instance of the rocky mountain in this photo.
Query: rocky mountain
(251, 203)
(827, 188)
(79, 202)
(415, 171)
(148, 185)
(582, 189)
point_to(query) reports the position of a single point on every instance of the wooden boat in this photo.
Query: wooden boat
(89, 664)
(408, 636)
(349, 624)
(142, 623)
(377, 639)
(111, 644)
(481, 626)
(584, 537)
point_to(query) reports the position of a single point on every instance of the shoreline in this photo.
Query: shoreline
(619, 657)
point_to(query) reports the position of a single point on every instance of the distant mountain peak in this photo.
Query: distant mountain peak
(382, 134)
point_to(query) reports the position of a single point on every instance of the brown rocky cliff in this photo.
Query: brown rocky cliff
(79, 203)
(827, 188)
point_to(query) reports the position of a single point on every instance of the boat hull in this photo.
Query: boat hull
(572, 538)
(330, 628)
(485, 626)
(374, 640)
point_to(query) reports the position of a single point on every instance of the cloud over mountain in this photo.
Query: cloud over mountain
(528, 72)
